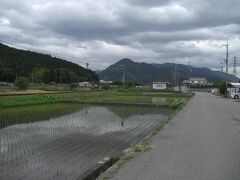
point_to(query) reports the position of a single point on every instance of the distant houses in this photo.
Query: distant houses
(196, 81)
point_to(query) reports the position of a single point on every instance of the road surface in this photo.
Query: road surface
(202, 142)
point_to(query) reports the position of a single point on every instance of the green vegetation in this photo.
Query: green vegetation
(10, 116)
(167, 99)
(40, 68)
(221, 85)
(74, 86)
(17, 101)
(22, 83)
(114, 159)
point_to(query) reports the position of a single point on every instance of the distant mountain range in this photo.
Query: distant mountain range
(144, 73)
(40, 68)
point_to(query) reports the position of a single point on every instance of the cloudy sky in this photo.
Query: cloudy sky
(103, 31)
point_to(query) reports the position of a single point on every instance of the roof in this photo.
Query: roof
(235, 84)
(160, 83)
(199, 79)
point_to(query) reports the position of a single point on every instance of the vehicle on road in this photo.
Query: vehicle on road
(234, 90)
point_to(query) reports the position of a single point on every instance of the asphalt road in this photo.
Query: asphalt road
(201, 142)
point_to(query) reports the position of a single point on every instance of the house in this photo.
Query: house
(105, 82)
(85, 84)
(160, 85)
(198, 81)
(234, 90)
(186, 82)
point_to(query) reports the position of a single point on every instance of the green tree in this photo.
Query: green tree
(22, 83)
(221, 85)
(41, 75)
(7, 74)
(131, 83)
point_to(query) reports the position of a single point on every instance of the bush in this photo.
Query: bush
(22, 83)
(131, 83)
(105, 87)
(74, 86)
(221, 85)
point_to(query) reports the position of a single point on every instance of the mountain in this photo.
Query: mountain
(40, 67)
(209, 74)
(144, 73)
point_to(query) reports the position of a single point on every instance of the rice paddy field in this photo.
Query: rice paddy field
(106, 96)
(63, 141)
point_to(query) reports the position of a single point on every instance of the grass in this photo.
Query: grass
(17, 101)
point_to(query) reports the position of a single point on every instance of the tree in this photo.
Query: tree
(22, 83)
(41, 75)
(221, 85)
(131, 83)
(7, 74)
(40, 67)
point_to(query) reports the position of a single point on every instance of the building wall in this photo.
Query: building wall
(159, 86)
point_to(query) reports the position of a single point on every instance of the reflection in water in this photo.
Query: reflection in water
(67, 146)
(127, 111)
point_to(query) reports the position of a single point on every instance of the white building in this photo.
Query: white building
(198, 81)
(85, 84)
(159, 85)
(105, 82)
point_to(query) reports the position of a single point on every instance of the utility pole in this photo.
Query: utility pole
(173, 77)
(189, 75)
(60, 76)
(235, 65)
(124, 73)
(175, 74)
(221, 66)
(123, 68)
(32, 77)
(226, 61)
(87, 64)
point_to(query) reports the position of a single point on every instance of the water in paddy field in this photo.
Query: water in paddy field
(67, 146)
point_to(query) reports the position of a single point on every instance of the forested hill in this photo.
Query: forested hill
(40, 67)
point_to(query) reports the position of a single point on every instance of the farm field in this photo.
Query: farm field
(95, 96)
(67, 146)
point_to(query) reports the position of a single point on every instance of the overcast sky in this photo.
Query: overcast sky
(102, 32)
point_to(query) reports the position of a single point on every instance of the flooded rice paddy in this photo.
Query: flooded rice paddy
(67, 146)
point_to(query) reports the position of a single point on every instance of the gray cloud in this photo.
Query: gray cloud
(102, 32)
